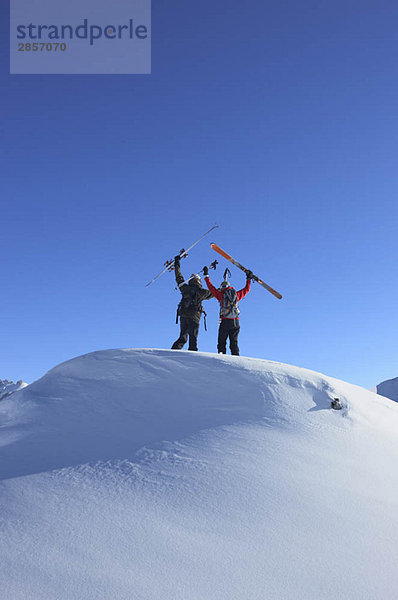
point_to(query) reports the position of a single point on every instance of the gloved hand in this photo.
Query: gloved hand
(249, 274)
(177, 260)
(205, 271)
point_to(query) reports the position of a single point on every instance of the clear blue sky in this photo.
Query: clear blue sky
(277, 120)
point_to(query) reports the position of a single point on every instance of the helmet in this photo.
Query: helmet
(224, 284)
(195, 278)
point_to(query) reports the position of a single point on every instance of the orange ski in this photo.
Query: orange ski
(242, 268)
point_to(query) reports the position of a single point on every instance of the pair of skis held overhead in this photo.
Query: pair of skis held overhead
(169, 264)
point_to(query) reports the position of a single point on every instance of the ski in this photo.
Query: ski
(169, 264)
(242, 268)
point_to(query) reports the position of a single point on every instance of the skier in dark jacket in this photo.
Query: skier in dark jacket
(229, 311)
(190, 308)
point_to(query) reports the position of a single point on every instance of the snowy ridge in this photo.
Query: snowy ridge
(389, 389)
(174, 475)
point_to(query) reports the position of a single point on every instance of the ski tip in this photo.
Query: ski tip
(274, 293)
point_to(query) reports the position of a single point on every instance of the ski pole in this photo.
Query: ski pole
(212, 266)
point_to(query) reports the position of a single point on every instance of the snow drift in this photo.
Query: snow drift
(165, 474)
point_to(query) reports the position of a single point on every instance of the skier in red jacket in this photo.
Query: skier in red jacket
(228, 298)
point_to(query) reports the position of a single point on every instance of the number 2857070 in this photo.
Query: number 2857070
(41, 47)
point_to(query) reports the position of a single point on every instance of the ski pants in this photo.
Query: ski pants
(188, 327)
(228, 328)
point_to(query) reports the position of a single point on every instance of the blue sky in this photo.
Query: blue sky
(276, 120)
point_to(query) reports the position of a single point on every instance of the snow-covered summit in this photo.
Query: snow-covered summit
(170, 474)
(8, 387)
(389, 389)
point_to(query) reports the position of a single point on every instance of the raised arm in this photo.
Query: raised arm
(242, 293)
(216, 293)
(177, 271)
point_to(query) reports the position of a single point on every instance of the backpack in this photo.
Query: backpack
(229, 305)
(190, 300)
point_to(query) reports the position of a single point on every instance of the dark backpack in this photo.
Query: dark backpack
(190, 300)
(229, 305)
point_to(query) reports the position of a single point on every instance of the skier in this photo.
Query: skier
(190, 308)
(228, 298)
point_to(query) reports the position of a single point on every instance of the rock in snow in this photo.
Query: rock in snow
(8, 387)
(160, 474)
(389, 389)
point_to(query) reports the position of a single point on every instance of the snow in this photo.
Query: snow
(389, 389)
(160, 474)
